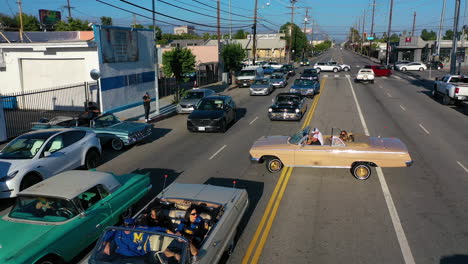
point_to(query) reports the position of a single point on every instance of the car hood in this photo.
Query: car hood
(205, 114)
(259, 86)
(128, 126)
(7, 165)
(270, 141)
(189, 101)
(17, 238)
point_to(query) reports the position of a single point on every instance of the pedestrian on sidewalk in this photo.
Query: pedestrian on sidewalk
(146, 105)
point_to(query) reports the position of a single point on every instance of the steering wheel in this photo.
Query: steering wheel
(65, 212)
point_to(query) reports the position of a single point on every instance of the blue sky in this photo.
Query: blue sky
(333, 17)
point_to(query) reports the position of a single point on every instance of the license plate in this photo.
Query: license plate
(201, 128)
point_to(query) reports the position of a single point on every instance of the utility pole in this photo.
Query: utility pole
(387, 55)
(156, 63)
(69, 9)
(439, 36)
(21, 20)
(463, 38)
(372, 30)
(230, 21)
(305, 27)
(453, 57)
(363, 29)
(293, 2)
(220, 63)
(359, 35)
(414, 25)
(254, 43)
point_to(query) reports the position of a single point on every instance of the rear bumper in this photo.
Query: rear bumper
(254, 160)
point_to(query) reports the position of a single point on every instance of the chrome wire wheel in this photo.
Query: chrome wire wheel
(361, 171)
(274, 165)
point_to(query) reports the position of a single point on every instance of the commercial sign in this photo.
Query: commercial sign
(118, 45)
(49, 17)
(370, 38)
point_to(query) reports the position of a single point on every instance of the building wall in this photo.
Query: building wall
(204, 54)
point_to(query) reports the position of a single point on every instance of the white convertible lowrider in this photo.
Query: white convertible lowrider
(221, 208)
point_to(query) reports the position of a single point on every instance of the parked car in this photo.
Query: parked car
(452, 88)
(221, 208)
(54, 221)
(412, 66)
(325, 66)
(248, 74)
(306, 88)
(305, 62)
(367, 152)
(379, 70)
(278, 80)
(290, 69)
(343, 67)
(109, 128)
(401, 62)
(261, 86)
(38, 155)
(213, 113)
(365, 75)
(191, 99)
(287, 106)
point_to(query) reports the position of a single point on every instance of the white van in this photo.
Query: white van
(248, 74)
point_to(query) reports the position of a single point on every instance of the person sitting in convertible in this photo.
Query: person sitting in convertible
(91, 112)
(346, 137)
(315, 138)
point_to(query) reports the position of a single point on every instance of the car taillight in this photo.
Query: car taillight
(457, 90)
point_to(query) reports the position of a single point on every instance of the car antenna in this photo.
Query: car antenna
(234, 184)
(164, 185)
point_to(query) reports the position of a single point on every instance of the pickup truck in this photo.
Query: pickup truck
(452, 88)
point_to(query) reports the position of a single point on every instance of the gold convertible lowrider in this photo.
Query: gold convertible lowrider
(360, 154)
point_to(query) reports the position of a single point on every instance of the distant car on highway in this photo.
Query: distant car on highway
(333, 152)
(55, 220)
(38, 155)
(412, 66)
(219, 210)
(261, 86)
(278, 80)
(213, 113)
(287, 106)
(191, 99)
(380, 70)
(109, 128)
(365, 75)
(306, 88)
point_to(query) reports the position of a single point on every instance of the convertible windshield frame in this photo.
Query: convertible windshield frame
(295, 139)
(25, 208)
(98, 122)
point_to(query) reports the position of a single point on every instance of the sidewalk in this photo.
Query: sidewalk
(167, 108)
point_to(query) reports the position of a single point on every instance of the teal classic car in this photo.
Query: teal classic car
(110, 129)
(54, 220)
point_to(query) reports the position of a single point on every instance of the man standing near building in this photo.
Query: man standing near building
(146, 105)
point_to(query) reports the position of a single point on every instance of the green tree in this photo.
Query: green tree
(206, 35)
(106, 21)
(137, 26)
(8, 23)
(157, 32)
(233, 54)
(73, 24)
(428, 35)
(240, 34)
(394, 38)
(176, 63)
(299, 39)
(30, 22)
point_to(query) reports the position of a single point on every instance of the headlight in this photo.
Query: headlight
(270, 110)
(281, 82)
(297, 111)
(9, 176)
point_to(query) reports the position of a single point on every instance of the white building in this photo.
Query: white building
(184, 30)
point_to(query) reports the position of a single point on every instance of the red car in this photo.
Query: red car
(380, 70)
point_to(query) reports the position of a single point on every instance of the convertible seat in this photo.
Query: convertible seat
(159, 243)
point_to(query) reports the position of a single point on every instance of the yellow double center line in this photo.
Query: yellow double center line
(268, 217)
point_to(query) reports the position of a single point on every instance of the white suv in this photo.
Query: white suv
(326, 66)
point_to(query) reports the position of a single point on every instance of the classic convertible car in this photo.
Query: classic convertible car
(220, 208)
(287, 106)
(360, 154)
(107, 126)
(54, 220)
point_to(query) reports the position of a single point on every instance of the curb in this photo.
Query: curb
(164, 112)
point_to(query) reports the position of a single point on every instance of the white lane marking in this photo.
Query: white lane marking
(404, 246)
(411, 77)
(389, 95)
(251, 122)
(423, 128)
(385, 77)
(402, 107)
(461, 165)
(347, 75)
(397, 77)
(218, 152)
(380, 86)
(325, 76)
(336, 75)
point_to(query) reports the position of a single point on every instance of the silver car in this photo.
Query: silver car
(261, 86)
(278, 80)
(191, 99)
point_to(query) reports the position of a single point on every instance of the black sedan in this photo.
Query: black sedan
(310, 74)
(289, 68)
(213, 113)
(287, 106)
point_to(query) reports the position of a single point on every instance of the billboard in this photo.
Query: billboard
(49, 17)
(118, 45)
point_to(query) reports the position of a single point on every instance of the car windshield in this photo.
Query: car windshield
(193, 95)
(276, 76)
(296, 138)
(106, 121)
(247, 73)
(146, 246)
(261, 81)
(24, 147)
(300, 82)
(282, 99)
(210, 105)
(43, 209)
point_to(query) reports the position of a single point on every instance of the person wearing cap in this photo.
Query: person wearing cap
(146, 105)
(315, 138)
(128, 243)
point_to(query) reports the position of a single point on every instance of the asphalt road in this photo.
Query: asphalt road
(400, 215)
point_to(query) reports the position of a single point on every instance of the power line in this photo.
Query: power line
(224, 11)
